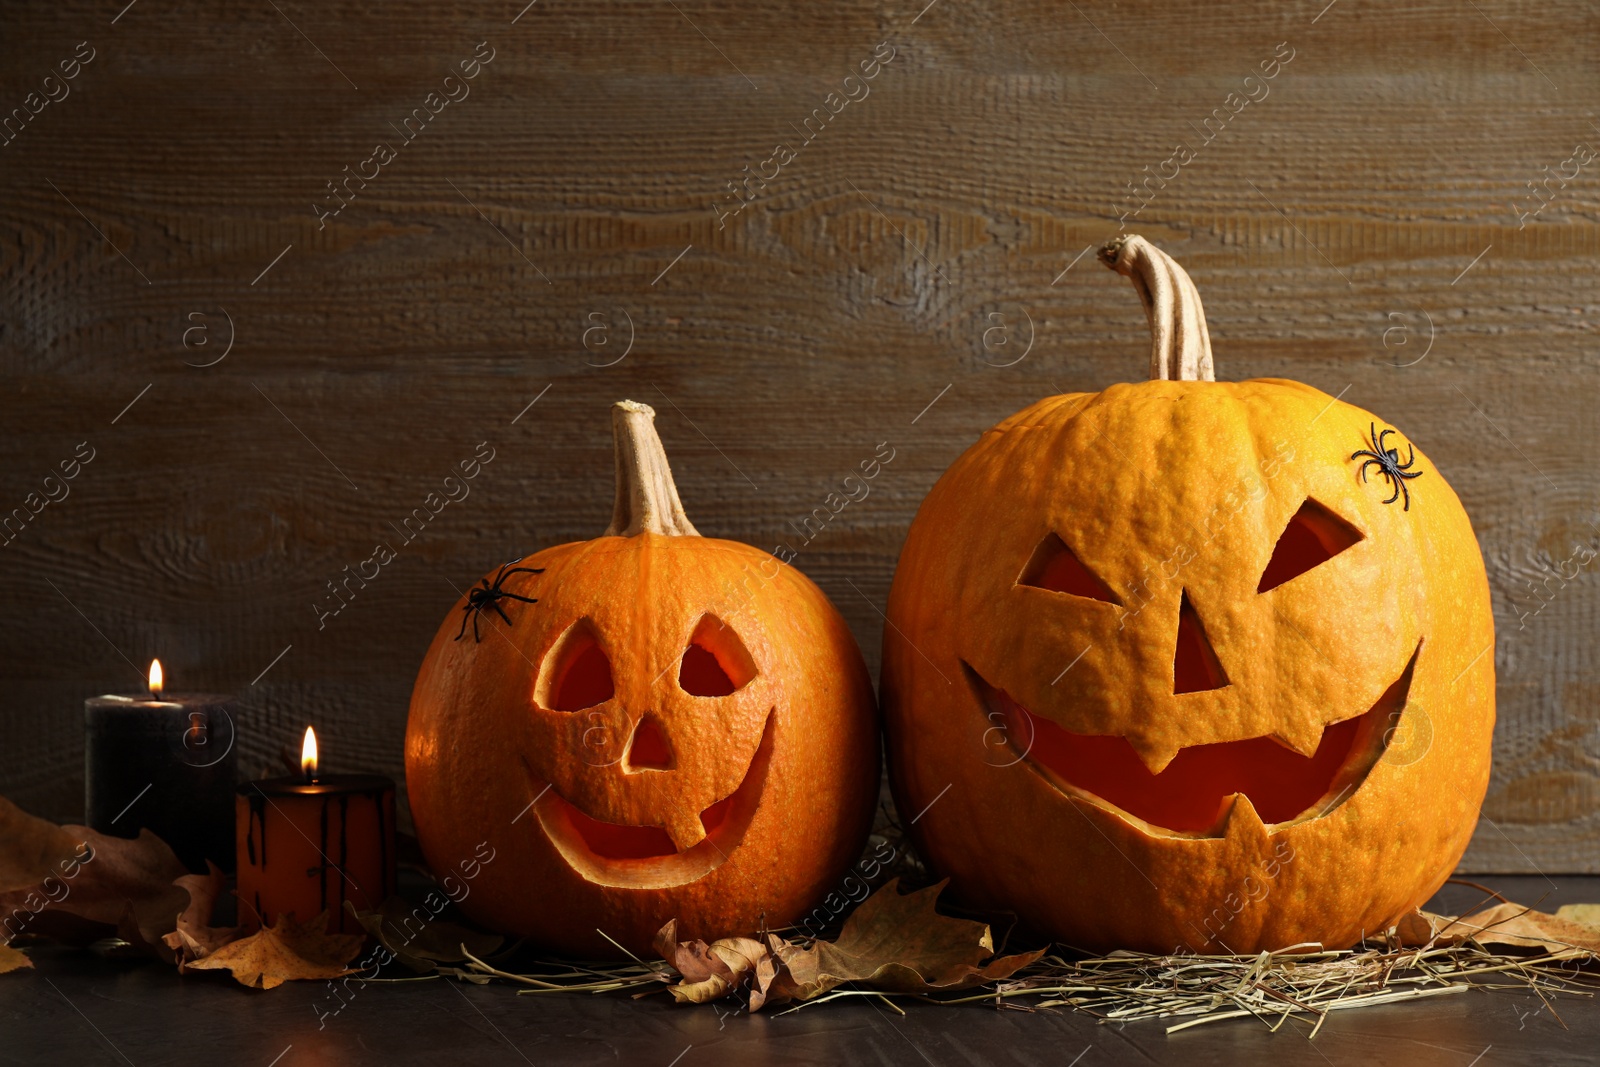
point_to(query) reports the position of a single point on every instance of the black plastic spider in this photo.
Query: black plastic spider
(1389, 465)
(489, 595)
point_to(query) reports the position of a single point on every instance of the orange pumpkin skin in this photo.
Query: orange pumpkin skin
(1174, 494)
(792, 754)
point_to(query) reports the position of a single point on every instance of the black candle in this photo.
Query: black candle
(163, 761)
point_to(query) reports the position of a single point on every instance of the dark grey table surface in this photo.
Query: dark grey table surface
(75, 1008)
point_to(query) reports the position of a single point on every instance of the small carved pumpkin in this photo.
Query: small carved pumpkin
(652, 725)
(1191, 663)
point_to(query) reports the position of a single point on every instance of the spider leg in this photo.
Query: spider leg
(495, 604)
(519, 570)
(507, 568)
(1399, 487)
(466, 609)
(524, 599)
(1407, 493)
(1367, 464)
(1411, 457)
(1412, 474)
(1362, 452)
(1377, 442)
(477, 638)
(522, 570)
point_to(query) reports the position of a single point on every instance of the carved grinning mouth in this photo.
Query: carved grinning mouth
(1193, 794)
(644, 856)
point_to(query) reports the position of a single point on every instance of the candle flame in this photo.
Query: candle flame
(155, 677)
(308, 754)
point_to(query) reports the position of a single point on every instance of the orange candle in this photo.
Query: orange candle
(308, 844)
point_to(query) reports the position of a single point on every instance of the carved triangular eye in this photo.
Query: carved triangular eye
(1055, 567)
(577, 672)
(1313, 537)
(716, 662)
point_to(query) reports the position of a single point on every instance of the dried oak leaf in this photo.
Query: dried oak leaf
(110, 886)
(195, 938)
(277, 954)
(31, 849)
(1513, 924)
(898, 944)
(1418, 928)
(122, 871)
(12, 959)
(419, 940)
(714, 970)
(1503, 924)
(1587, 914)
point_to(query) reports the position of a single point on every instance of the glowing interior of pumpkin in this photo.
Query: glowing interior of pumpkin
(1195, 667)
(1314, 536)
(582, 676)
(1193, 791)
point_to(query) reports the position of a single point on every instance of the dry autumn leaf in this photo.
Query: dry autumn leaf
(194, 937)
(1418, 928)
(891, 943)
(1513, 924)
(898, 943)
(1587, 914)
(1504, 924)
(12, 959)
(122, 871)
(31, 849)
(712, 971)
(286, 952)
(106, 885)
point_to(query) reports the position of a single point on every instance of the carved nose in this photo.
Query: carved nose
(648, 750)
(1195, 667)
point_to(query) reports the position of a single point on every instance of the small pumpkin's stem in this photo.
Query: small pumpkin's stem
(1180, 348)
(647, 499)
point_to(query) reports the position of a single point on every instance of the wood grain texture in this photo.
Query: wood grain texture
(1326, 224)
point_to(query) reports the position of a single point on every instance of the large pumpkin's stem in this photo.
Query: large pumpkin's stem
(647, 499)
(1180, 346)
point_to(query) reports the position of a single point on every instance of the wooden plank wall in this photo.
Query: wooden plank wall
(1371, 207)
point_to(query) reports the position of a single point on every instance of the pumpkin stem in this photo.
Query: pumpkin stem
(647, 499)
(1180, 346)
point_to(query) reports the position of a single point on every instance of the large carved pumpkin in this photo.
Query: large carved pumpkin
(679, 727)
(1191, 663)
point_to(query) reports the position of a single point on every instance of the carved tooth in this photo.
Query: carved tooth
(1244, 824)
(1302, 738)
(1153, 755)
(685, 829)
